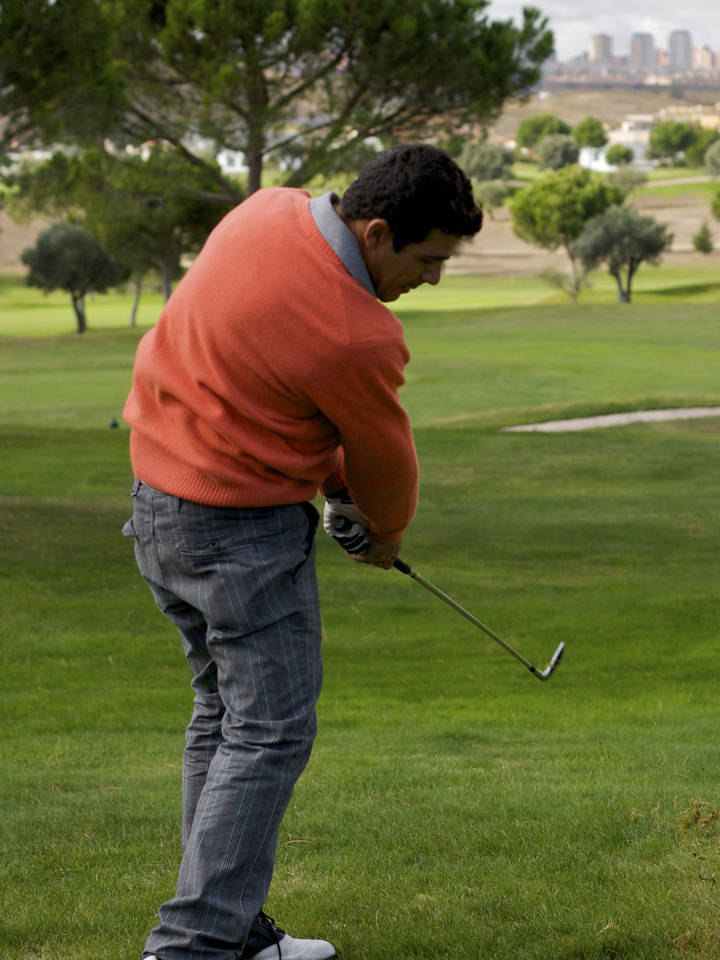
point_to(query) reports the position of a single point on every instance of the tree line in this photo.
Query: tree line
(300, 88)
(589, 216)
(140, 95)
(672, 142)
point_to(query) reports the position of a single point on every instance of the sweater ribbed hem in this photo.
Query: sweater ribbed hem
(156, 466)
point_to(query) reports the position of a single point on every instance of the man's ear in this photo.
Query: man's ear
(377, 231)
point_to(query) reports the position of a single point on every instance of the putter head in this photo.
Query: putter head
(554, 661)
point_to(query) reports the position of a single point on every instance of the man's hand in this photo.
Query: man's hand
(379, 554)
(343, 522)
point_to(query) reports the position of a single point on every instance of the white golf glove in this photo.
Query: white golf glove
(344, 523)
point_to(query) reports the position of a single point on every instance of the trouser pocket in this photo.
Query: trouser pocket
(128, 529)
(313, 518)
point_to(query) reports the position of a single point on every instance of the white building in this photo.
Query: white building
(593, 158)
(231, 161)
(633, 132)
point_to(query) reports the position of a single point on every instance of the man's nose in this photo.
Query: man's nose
(432, 274)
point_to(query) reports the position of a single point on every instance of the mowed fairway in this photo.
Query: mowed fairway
(455, 808)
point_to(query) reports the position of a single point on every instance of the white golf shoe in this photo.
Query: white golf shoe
(288, 948)
(268, 942)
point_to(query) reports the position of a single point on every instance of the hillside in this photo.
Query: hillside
(497, 250)
(609, 106)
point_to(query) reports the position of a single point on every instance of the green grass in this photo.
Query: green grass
(704, 191)
(675, 173)
(694, 192)
(504, 367)
(454, 807)
(524, 170)
(27, 311)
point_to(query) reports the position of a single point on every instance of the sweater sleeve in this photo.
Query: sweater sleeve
(359, 394)
(336, 480)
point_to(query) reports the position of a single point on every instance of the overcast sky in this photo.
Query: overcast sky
(574, 21)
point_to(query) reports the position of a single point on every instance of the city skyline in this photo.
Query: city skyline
(682, 55)
(573, 24)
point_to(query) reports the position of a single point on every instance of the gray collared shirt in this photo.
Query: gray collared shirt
(341, 239)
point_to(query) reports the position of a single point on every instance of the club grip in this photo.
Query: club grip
(402, 566)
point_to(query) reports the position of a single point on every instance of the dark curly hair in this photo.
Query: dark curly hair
(416, 188)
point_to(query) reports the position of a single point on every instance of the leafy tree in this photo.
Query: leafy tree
(702, 241)
(715, 206)
(704, 139)
(57, 71)
(619, 155)
(557, 150)
(623, 239)
(563, 281)
(531, 130)
(454, 143)
(552, 211)
(491, 194)
(149, 212)
(626, 179)
(263, 77)
(712, 159)
(487, 161)
(590, 133)
(69, 258)
(146, 212)
(669, 138)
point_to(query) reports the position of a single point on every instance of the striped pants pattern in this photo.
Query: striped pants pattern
(240, 586)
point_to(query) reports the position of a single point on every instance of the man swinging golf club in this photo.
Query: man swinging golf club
(272, 373)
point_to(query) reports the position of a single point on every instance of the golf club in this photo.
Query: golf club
(540, 674)
(342, 524)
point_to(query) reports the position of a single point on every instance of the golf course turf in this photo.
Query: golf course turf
(454, 808)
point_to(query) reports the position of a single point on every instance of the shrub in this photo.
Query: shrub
(531, 130)
(712, 159)
(702, 241)
(619, 155)
(556, 151)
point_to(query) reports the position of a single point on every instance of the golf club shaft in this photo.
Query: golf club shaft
(407, 569)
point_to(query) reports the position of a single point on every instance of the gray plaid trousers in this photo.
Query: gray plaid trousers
(239, 584)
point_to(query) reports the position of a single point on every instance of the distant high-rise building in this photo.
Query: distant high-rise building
(703, 58)
(600, 50)
(680, 50)
(642, 52)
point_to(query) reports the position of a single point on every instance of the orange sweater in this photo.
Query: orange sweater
(269, 365)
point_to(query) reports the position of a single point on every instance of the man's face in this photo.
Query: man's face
(396, 272)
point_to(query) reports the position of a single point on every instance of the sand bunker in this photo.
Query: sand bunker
(615, 420)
